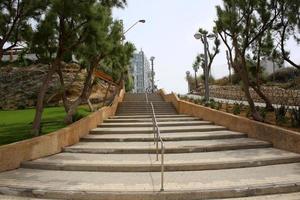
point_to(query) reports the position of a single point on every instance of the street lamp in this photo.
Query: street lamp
(203, 37)
(187, 78)
(139, 21)
(152, 73)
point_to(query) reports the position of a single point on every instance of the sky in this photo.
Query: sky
(168, 35)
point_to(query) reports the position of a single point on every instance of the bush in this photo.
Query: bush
(280, 114)
(295, 117)
(236, 109)
(222, 81)
(262, 112)
(77, 116)
(285, 74)
(21, 107)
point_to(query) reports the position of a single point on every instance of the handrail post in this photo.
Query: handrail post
(157, 136)
(162, 165)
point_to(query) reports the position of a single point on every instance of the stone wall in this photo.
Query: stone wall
(275, 94)
(19, 86)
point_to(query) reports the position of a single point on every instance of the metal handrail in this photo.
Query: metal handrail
(146, 97)
(158, 138)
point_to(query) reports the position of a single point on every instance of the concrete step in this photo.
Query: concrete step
(181, 185)
(160, 124)
(173, 162)
(148, 116)
(150, 120)
(144, 113)
(134, 130)
(6, 197)
(286, 196)
(145, 109)
(170, 147)
(184, 136)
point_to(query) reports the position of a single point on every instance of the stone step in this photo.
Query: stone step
(286, 196)
(173, 162)
(144, 109)
(148, 116)
(184, 136)
(6, 197)
(170, 147)
(134, 130)
(181, 185)
(135, 103)
(144, 113)
(150, 124)
(150, 120)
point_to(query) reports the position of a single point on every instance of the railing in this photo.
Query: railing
(157, 138)
(146, 97)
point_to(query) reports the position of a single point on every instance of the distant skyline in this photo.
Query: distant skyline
(168, 35)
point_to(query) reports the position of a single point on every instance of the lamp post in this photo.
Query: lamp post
(139, 21)
(152, 73)
(199, 36)
(188, 80)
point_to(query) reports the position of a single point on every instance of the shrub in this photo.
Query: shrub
(280, 114)
(295, 117)
(21, 107)
(218, 105)
(262, 112)
(222, 81)
(236, 109)
(77, 116)
(285, 74)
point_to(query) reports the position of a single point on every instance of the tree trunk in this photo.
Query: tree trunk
(1, 54)
(64, 95)
(244, 76)
(87, 89)
(36, 126)
(258, 91)
(90, 105)
(106, 93)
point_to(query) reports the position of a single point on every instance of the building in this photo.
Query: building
(140, 70)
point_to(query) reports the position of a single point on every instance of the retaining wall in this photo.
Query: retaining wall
(281, 138)
(12, 155)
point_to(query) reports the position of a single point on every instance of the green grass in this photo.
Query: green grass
(16, 125)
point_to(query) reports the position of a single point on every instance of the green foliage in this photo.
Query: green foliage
(262, 112)
(129, 85)
(16, 17)
(295, 117)
(280, 114)
(236, 110)
(284, 75)
(77, 116)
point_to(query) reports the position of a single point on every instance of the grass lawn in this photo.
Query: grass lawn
(16, 125)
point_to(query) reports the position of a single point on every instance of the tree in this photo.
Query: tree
(196, 65)
(211, 52)
(103, 47)
(15, 19)
(239, 20)
(66, 25)
(287, 26)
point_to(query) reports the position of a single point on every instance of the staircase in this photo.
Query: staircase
(117, 160)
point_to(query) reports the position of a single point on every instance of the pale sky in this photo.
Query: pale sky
(168, 35)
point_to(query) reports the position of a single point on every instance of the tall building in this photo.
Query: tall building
(140, 70)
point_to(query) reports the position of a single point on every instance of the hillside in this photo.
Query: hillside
(19, 86)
